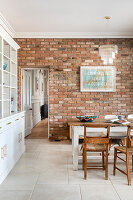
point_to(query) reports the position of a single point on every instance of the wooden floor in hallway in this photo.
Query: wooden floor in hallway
(40, 131)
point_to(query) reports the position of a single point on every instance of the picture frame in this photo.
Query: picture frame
(97, 79)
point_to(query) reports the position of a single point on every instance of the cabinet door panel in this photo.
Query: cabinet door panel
(5, 151)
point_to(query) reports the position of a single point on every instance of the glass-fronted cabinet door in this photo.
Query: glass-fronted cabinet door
(0, 77)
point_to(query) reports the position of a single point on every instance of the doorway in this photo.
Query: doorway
(35, 102)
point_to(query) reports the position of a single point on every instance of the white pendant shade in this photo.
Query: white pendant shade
(107, 53)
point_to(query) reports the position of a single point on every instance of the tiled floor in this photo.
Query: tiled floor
(45, 172)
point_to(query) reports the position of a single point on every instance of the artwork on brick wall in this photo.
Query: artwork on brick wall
(97, 79)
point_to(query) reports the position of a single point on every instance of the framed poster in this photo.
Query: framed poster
(97, 79)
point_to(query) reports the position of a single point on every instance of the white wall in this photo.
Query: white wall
(37, 99)
(46, 87)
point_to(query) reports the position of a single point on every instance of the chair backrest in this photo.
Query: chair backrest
(129, 137)
(97, 140)
(110, 117)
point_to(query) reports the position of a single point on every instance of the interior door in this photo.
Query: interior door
(26, 99)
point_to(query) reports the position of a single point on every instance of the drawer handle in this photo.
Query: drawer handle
(16, 119)
(5, 150)
(20, 137)
(0, 127)
(2, 153)
(8, 123)
(22, 117)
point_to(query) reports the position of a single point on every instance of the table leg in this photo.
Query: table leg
(75, 138)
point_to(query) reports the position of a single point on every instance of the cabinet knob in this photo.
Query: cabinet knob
(16, 119)
(0, 127)
(8, 123)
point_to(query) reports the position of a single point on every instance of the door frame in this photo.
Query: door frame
(29, 68)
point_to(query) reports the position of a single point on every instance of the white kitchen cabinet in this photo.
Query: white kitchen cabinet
(4, 150)
(12, 123)
(12, 143)
(8, 74)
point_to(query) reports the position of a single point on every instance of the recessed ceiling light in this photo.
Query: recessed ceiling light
(107, 17)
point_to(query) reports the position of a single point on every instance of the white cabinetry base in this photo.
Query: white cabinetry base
(12, 143)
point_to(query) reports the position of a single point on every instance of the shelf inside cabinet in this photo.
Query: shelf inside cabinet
(6, 100)
(7, 86)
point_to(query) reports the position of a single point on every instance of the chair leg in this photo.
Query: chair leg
(132, 163)
(110, 143)
(128, 168)
(85, 164)
(106, 165)
(115, 160)
(103, 160)
(83, 159)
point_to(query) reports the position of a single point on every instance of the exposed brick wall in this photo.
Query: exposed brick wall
(66, 100)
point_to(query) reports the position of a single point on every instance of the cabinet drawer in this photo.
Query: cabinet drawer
(1, 128)
(17, 119)
(7, 124)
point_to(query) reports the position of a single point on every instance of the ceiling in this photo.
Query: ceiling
(69, 17)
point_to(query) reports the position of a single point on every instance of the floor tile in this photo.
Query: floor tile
(56, 192)
(14, 195)
(124, 191)
(19, 181)
(98, 192)
(54, 176)
(93, 177)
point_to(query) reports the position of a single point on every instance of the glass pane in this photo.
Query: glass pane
(0, 44)
(0, 61)
(6, 108)
(6, 79)
(0, 78)
(0, 109)
(13, 55)
(6, 93)
(13, 100)
(6, 49)
(6, 64)
(0, 93)
(13, 81)
(13, 68)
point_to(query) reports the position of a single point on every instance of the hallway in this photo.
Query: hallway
(40, 131)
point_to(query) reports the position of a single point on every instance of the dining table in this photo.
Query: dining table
(76, 127)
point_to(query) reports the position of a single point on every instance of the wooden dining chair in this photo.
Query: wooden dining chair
(130, 117)
(96, 144)
(117, 133)
(126, 150)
